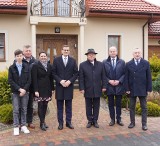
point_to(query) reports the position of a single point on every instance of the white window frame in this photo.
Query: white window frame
(121, 44)
(6, 45)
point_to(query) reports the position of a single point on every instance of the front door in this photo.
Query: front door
(53, 48)
(52, 45)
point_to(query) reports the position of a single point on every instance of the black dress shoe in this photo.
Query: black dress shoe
(120, 123)
(96, 125)
(112, 123)
(42, 126)
(60, 127)
(89, 124)
(131, 125)
(69, 126)
(144, 127)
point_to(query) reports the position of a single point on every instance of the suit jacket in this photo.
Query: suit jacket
(92, 78)
(42, 79)
(60, 72)
(117, 74)
(138, 78)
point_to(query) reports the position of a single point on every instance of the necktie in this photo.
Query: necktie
(65, 61)
(137, 62)
(113, 63)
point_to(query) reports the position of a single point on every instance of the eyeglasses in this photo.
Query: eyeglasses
(66, 50)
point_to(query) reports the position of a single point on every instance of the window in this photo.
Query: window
(114, 40)
(2, 46)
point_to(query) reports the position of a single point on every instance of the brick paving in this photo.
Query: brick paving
(81, 136)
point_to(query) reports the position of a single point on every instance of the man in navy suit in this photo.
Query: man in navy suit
(138, 83)
(65, 72)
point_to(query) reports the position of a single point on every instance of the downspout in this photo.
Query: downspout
(143, 32)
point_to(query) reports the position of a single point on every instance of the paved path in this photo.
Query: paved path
(81, 136)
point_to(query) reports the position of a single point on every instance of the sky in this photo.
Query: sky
(156, 2)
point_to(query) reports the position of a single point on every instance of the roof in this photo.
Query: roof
(131, 7)
(13, 6)
(154, 29)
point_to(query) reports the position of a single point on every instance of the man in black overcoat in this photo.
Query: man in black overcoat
(115, 72)
(92, 84)
(138, 82)
(65, 72)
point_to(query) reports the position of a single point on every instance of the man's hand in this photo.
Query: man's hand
(67, 83)
(116, 82)
(103, 90)
(62, 82)
(82, 91)
(37, 94)
(22, 92)
(128, 92)
(111, 82)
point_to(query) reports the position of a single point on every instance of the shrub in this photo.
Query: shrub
(153, 109)
(6, 115)
(5, 91)
(154, 63)
(156, 84)
(125, 101)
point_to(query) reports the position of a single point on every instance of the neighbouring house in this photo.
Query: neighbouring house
(99, 24)
(154, 39)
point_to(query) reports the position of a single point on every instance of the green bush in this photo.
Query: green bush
(6, 115)
(153, 109)
(125, 101)
(5, 91)
(156, 84)
(154, 63)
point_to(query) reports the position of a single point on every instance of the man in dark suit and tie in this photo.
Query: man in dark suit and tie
(115, 72)
(138, 83)
(65, 72)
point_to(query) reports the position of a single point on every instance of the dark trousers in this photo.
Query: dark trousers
(143, 104)
(68, 110)
(30, 108)
(42, 109)
(92, 108)
(115, 100)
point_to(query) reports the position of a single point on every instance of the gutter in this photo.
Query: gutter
(143, 33)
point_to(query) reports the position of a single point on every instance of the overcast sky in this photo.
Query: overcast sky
(157, 2)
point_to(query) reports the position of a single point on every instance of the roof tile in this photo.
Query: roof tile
(137, 6)
(154, 28)
(13, 3)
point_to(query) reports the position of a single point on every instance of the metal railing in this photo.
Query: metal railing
(58, 8)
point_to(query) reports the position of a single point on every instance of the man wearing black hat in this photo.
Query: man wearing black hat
(92, 84)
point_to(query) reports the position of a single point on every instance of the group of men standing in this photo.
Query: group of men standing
(111, 76)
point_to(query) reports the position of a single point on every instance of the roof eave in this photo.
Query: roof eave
(111, 14)
(14, 11)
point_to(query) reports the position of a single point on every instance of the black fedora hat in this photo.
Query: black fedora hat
(90, 51)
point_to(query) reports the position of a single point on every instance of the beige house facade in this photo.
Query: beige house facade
(49, 31)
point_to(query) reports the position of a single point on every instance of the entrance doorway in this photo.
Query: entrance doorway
(52, 45)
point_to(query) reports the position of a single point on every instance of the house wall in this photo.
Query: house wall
(97, 29)
(18, 34)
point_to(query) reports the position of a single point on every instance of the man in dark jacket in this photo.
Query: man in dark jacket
(19, 80)
(29, 60)
(138, 82)
(65, 72)
(115, 72)
(92, 84)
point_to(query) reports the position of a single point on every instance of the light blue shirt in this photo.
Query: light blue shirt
(19, 67)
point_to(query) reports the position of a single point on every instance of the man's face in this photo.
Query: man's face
(27, 52)
(19, 58)
(137, 54)
(65, 51)
(91, 57)
(112, 52)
